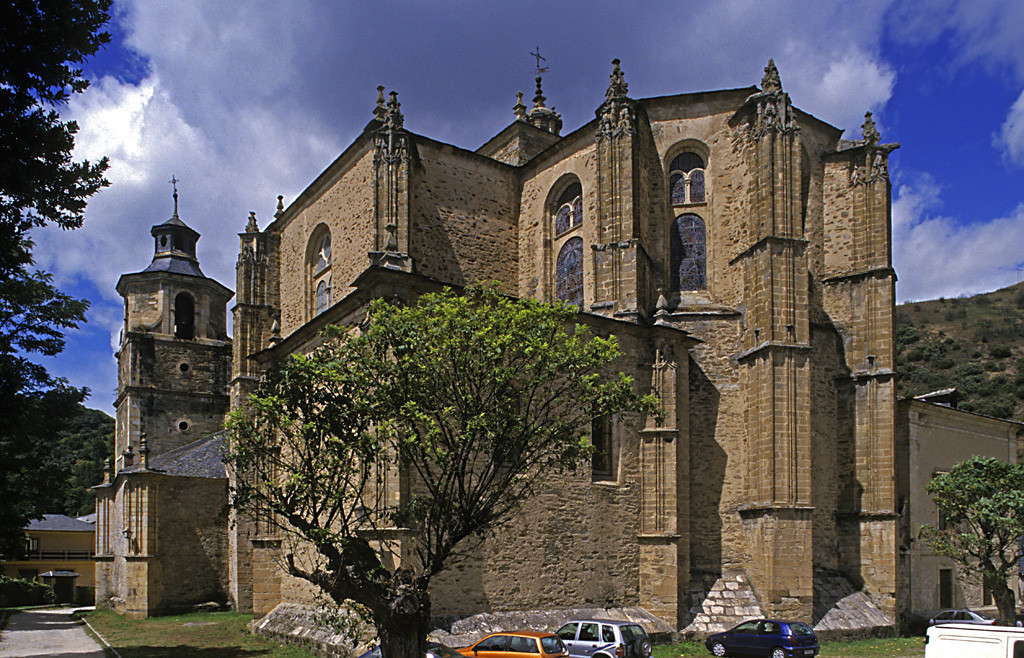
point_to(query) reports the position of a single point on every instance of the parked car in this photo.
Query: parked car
(602, 638)
(961, 617)
(434, 650)
(773, 638)
(517, 644)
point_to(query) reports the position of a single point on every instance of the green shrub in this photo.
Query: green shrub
(995, 366)
(15, 592)
(1000, 351)
(942, 362)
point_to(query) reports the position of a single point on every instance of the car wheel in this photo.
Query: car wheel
(718, 649)
(778, 652)
(642, 647)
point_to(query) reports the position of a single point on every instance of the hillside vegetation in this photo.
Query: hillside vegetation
(974, 344)
(74, 462)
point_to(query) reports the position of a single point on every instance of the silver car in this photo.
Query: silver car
(604, 638)
(961, 617)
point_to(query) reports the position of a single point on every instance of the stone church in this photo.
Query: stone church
(738, 247)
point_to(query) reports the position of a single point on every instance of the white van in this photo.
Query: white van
(973, 641)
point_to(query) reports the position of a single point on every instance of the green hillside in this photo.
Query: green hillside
(975, 344)
(74, 462)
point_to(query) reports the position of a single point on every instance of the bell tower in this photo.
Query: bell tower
(174, 357)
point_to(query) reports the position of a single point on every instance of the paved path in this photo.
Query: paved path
(53, 632)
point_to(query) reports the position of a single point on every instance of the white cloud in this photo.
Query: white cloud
(935, 256)
(1010, 137)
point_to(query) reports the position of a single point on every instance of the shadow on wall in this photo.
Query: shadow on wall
(708, 463)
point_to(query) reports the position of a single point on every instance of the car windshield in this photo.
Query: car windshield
(800, 628)
(631, 632)
(552, 644)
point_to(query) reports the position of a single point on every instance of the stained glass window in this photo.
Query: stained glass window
(688, 258)
(323, 295)
(686, 179)
(570, 209)
(569, 272)
(323, 254)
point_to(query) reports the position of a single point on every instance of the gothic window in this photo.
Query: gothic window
(184, 316)
(321, 272)
(686, 179)
(569, 272)
(688, 258)
(603, 460)
(569, 213)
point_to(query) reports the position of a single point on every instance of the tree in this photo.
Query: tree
(466, 400)
(42, 44)
(982, 500)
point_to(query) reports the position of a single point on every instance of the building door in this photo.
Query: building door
(945, 588)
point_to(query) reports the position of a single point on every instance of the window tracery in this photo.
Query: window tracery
(569, 213)
(688, 257)
(321, 273)
(569, 272)
(686, 180)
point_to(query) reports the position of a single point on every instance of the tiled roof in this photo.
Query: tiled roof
(200, 459)
(61, 523)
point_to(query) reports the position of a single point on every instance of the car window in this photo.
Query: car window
(607, 633)
(746, 628)
(568, 632)
(964, 616)
(523, 644)
(800, 628)
(631, 632)
(945, 615)
(493, 643)
(588, 632)
(551, 644)
(770, 628)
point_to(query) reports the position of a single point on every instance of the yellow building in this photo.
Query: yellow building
(58, 543)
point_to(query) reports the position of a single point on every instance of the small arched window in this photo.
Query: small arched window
(184, 316)
(686, 179)
(688, 257)
(569, 211)
(569, 273)
(321, 273)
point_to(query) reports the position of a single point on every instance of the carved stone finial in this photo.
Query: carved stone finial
(144, 451)
(519, 109)
(280, 206)
(617, 88)
(870, 132)
(380, 112)
(251, 226)
(395, 119)
(275, 330)
(771, 83)
(538, 98)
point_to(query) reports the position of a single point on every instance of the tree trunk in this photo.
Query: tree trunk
(402, 628)
(1005, 599)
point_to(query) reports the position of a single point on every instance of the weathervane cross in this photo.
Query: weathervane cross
(540, 69)
(174, 183)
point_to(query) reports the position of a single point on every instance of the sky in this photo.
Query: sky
(246, 100)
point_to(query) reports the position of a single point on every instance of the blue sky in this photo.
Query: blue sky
(246, 100)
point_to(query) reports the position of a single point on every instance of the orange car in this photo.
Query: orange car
(517, 644)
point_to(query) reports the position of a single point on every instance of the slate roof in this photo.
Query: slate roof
(175, 265)
(61, 523)
(200, 459)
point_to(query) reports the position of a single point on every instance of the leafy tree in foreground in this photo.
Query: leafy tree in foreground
(42, 44)
(982, 499)
(474, 398)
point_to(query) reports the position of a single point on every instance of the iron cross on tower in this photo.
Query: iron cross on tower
(540, 69)
(174, 182)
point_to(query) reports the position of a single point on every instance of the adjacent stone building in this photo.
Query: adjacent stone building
(931, 436)
(739, 249)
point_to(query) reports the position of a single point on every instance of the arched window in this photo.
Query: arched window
(569, 212)
(686, 179)
(688, 264)
(569, 272)
(320, 262)
(184, 316)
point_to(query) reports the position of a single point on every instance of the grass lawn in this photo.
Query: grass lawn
(892, 647)
(202, 635)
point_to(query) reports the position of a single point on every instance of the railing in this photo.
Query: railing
(60, 555)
